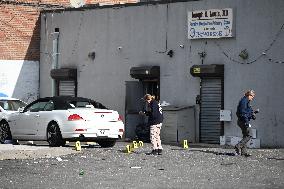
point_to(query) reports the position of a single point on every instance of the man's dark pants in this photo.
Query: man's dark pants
(246, 137)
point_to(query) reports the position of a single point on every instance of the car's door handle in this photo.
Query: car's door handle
(37, 115)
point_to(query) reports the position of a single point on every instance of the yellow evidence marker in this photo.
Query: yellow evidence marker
(128, 149)
(78, 146)
(140, 143)
(135, 145)
(185, 145)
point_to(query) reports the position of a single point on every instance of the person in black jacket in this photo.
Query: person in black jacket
(155, 119)
(244, 114)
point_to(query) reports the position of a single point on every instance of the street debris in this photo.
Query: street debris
(81, 172)
(196, 167)
(135, 167)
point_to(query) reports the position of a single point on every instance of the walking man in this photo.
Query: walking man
(244, 114)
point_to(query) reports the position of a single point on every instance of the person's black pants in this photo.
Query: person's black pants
(242, 145)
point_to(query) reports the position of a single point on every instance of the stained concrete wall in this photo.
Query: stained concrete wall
(146, 32)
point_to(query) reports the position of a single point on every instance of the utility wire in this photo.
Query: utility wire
(271, 60)
(261, 55)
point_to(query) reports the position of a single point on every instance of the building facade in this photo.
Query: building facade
(202, 53)
(20, 43)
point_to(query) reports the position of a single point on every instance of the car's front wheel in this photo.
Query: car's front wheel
(54, 137)
(5, 132)
(107, 143)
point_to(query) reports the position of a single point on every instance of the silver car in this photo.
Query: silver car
(7, 107)
(63, 118)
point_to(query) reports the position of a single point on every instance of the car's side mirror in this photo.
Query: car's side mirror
(21, 109)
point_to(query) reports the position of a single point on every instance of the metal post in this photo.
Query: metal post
(55, 53)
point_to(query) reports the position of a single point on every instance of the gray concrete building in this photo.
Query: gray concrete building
(200, 54)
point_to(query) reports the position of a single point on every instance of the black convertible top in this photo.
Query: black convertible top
(67, 102)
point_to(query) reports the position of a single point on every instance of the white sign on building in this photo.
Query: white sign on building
(211, 23)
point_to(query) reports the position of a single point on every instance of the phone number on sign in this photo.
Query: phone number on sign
(198, 34)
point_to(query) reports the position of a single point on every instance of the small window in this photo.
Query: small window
(12, 105)
(49, 106)
(82, 104)
(16, 104)
(39, 106)
(6, 106)
(79, 104)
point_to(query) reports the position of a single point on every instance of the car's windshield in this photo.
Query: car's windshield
(11, 105)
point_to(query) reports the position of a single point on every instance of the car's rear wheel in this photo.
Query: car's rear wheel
(5, 132)
(107, 143)
(54, 137)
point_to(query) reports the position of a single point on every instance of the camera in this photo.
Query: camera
(254, 112)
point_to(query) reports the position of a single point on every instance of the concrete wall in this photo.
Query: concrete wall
(19, 79)
(146, 33)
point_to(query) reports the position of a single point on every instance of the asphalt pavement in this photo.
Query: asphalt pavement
(199, 166)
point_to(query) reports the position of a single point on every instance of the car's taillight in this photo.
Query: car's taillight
(119, 118)
(121, 130)
(74, 117)
(80, 129)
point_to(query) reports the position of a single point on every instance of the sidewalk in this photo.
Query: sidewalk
(10, 151)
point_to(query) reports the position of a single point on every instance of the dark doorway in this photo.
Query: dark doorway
(211, 92)
(148, 83)
(211, 101)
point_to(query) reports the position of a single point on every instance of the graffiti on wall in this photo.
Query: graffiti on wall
(212, 23)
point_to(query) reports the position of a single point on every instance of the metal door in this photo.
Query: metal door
(67, 88)
(133, 104)
(211, 103)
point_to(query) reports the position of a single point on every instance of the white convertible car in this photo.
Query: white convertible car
(7, 107)
(63, 118)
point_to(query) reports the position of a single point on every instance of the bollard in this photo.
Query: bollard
(78, 146)
(185, 145)
(128, 149)
(140, 143)
(135, 145)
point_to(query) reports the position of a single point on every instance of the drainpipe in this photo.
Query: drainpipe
(55, 54)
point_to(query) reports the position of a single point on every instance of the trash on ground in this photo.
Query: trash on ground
(81, 172)
(135, 167)
(8, 142)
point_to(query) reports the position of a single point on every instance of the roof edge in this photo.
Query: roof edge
(97, 6)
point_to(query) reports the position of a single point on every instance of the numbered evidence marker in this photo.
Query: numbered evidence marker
(185, 145)
(128, 149)
(78, 146)
(140, 143)
(135, 144)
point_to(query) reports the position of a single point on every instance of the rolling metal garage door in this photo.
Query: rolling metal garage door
(211, 104)
(67, 88)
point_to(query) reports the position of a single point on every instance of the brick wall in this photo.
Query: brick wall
(20, 26)
(110, 2)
